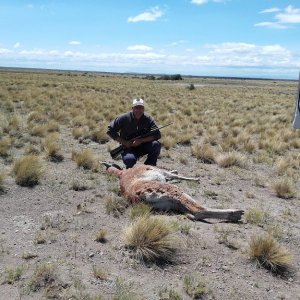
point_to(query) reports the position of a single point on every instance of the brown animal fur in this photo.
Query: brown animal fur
(148, 184)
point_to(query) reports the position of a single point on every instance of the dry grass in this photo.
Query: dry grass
(284, 188)
(195, 288)
(230, 159)
(140, 210)
(85, 159)
(28, 170)
(115, 205)
(44, 276)
(205, 153)
(5, 145)
(99, 273)
(2, 182)
(101, 236)
(256, 216)
(11, 275)
(269, 254)
(52, 148)
(151, 238)
(252, 119)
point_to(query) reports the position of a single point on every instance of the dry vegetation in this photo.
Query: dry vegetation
(71, 236)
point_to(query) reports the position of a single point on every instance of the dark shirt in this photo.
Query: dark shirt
(127, 127)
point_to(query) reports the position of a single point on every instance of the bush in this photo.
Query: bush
(269, 254)
(205, 153)
(28, 170)
(230, 159)
(85, 159)
(152, 238)
(284, 188)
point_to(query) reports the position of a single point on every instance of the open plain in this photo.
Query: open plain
(64, 223)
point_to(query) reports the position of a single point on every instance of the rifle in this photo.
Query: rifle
(114, 153)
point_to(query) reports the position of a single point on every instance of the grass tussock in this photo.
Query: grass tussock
(256, 216)
(140, 210)
(99, 273)
(151, 238)
(115, 205)
(52, 148)
(11, 275)
(284, 188)
(5, 145)
(2, 184)
(205, 153)
(230, 159)
(124, 291)
(85, 159)
(101, 236)
(270, 254)
(100, 136)
(28, 170)
(195, 288)
(44, 276)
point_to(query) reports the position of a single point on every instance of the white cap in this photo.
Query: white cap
(138, 102)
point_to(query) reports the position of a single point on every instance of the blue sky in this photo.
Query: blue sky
(254, 38)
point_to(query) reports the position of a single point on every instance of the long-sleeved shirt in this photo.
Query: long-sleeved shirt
(127, 127)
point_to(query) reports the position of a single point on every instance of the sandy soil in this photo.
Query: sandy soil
(215, 252)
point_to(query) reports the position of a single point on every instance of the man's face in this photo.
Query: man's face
(138, 111)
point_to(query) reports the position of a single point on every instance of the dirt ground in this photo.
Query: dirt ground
(69, 220)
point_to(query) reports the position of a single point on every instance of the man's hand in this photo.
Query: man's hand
(136, 143)
(127, 144)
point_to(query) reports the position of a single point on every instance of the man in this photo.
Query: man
(125, 127)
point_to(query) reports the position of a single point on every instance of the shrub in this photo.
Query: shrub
(44, 276)
(205, 153)
(191, 87)
(230, 159)
(99, 273)
(115, 205)
(13, 275)
(284, 188)
(52, 147)
(85, 159)
(101, 236)
(255, 216)
(151, 238)
(100, 136)
(5, 145)
(194, 287)
(139, 210)
(2, 187)
(168, 141)
(28, 170)
(269, 254)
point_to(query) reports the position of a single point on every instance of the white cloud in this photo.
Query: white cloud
(4, 51)
(269, 10)
(251, 55)
(200, 2)
(289, 15)
(139, 48)
(271, 25)
(241, 59)
(149, 15)
(74, 43)
(17, 45)
(180, 42)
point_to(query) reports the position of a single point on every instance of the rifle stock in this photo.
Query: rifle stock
(114, 153)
